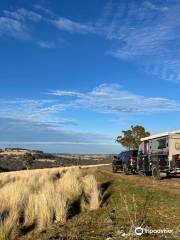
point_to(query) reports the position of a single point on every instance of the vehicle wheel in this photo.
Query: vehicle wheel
(125, 169)
(114, 169)
(148, 173)
(141, 173)
(145, 174)
(133, 172)
(156, 173)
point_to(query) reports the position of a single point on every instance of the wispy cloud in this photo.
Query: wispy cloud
(104, 98)
(19, 24)
(23, 14)
(68, 25)
(45, 44)
(144, 33)
(13, 28)
(43, 10)
(32, 120)
(152, 6)
(65, 93)
(17, 131)
(114, 99)
(15, 23)
(39, 111)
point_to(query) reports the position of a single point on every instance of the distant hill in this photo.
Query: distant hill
(11, 159)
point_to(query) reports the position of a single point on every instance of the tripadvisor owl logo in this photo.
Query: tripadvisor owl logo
(139, 231)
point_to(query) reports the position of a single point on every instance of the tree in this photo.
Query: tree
(131, 137)
(28, 160)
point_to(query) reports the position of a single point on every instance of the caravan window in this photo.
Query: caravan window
(162, 143)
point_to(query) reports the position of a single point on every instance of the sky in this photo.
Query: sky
(74, 74)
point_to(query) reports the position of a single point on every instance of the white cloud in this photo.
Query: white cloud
(145, 33)
(68, 25)
(31, 120)
(44, 10)
(20, 131)
(106, 98)
(20, 23)
(23, 14)
(13, 28)
(17, 24)
(142, 32)
(151, 6)
(113, 99)
(65, 93)
(42, 111)
(45, 44)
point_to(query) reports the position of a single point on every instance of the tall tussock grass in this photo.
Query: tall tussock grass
(91, 191)
(40, 198)
(71, 184)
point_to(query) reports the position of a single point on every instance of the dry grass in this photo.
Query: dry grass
(70, 184)
(40, 197)
(92, 191)
(7, 228)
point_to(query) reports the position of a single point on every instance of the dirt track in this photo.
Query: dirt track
(171, 185)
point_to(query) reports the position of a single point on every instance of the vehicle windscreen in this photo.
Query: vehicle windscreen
(119, 156)
(134, 153)
(128, 154)
(123, 155)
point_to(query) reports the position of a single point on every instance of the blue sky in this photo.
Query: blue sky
(74, 74)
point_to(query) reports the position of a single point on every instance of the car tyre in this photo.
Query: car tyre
(156, 173)
(125, 169)
(114, 169)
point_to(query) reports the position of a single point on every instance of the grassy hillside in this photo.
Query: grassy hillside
(110, 210)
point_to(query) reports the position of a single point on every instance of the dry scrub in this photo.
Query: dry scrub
(40, 197)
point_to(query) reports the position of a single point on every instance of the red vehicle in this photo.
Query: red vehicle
(125, 162)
